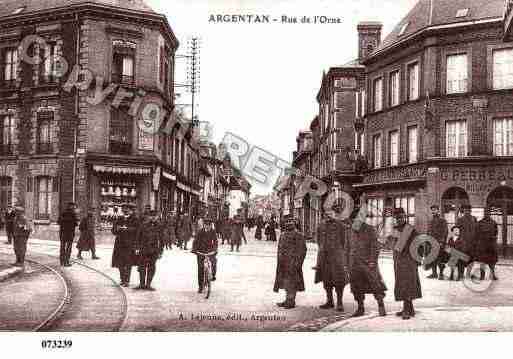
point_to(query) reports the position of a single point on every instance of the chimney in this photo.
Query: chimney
(369, 38)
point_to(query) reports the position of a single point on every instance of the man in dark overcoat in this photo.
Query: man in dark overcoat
(259, 223)
(438, 229)
(486, 243)
(290, 258)
(365, 276)
(331, 268)
(271, 228)
(407, 280)
(468, 229)
(205, 243)
(123, 256)
(86, 241)
(22, 230)
(171, 226)
(226, 230)
(237, 232)
(10, 216)
(184, 230)
(149, 245)
(68, 221)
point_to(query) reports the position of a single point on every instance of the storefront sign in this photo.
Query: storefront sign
(122, 170)
(396, 174)
(487, 174)
(146, 141)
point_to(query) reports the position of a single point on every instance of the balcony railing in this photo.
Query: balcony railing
(6, 150)
(120, 148)
(44, 148)
(122, 79)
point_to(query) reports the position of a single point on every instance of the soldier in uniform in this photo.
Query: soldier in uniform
(290, 258)
(365, 276)
(22, 230)
(149, 245)
(68, 222)
(237, 231)
(86, 242)
(10, 216)
(468, 229)
(407, 281)
(123, 256)
(205, 242)
(184, 230)
(331, 268)
(486, 243)
(438, 229)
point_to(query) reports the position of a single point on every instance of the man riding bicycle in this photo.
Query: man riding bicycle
(204, 243)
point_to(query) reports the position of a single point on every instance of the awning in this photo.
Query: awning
(186, 188)
(123, 170)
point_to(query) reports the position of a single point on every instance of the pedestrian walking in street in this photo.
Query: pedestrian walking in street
(407, 281)
(237, 232)
(468, 229)
(455, 243)
(87, 241)
(205, 242)
(365, 276)
(184, 230)
(123, 255)
(149, 246)
(226, 230)
(171, 225)
(438, 229)
(219, 228)
(270, 230)
(289, 267)
(10, 216)
(486, 243)
(22, 230)
(68, 222)
(331, 267)
(259, 223)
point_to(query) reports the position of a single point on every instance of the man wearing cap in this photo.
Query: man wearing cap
(123, 255)
(68, 222)
(205, 242)
(365, 276)
(331, 268)
(290, 258)
(22, 231)
(10, 216)
(438, 229)
(407, 281)
(149, 245)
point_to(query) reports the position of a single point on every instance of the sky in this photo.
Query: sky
(260, 81)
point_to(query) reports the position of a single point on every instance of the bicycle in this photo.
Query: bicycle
(208, 273)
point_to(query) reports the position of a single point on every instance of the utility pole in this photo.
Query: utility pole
(193, 74)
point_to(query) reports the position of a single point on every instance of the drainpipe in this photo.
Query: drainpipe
(77, 98)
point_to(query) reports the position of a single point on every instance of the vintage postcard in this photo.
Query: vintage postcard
(255, 166)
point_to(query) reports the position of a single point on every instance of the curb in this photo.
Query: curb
(10, 272)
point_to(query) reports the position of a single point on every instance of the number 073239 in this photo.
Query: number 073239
(56, 344)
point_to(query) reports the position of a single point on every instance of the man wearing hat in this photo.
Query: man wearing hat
(290, 258)
(184, 231)
(407, 281)
(332, 259)
(125, 230)
(68, 222)
(237, 231)
(205, 242)
(438, 229)
(10, 216)
(149, 245)
(468, 230)
(22, 231)
(86, 241)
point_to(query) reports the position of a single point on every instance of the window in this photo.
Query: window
(378, 95)
(338, 99)
(5, 192)
(44, 132)
(120, 132)
(18, 10)
(503, 137)
(456, 138)
(375, 212)
(457, 73)
(462, 12)
(394, 88)
(412, 144)
(403, 29)
(408, 204)
(503, 69)
(48, 67)
(413, 82)
(362, 143)
(43, 197)
(123, 63)
(394, 148)
(376, 141)
(10, 66)
(7, 136)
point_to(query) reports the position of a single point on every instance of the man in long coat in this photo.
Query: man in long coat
(290, 258)
(68, 221)
(184, 231)
(407, 280)
(171, 226)
(365, 276)
(149, 245)
(271, 229)
(10, 216)
(123, 256)
(331, 268)
(438, 229)
(22, 230)
(204, 243)
(86, 241)
(237, 232)
(259, 223)
(468, 229)
(486, 243)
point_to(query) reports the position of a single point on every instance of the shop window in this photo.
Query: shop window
(48, 67)
(376, 140)
(413, 82)
(44, 132)
(5, 192)
(394, 88)
(123, 63)
(457, 73)
(412, 144)
(7, 136)
(394, 148)
(502, 69)
(121, 135)
(456, 138)
(407, 203)
(43, 197)
(378, 95)
(503, 137)
(114, 193)
(9, 62)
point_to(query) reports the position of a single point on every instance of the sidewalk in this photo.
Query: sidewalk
(441, 319)
(7, 270)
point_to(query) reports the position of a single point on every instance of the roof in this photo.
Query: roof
(427, 13)
(10, 6)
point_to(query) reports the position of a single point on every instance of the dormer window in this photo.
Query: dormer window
(403, 29)
(19, 10)
(462, 12)
(123, 71)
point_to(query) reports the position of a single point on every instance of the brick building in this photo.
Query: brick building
(58, 145)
